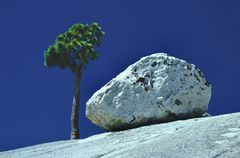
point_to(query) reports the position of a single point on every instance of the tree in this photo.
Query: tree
(73, 49)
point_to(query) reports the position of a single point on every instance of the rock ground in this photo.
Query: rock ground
(207, 137)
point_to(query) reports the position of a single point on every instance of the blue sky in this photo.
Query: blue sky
(35, 101)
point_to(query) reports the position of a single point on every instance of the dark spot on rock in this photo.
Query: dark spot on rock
(185, 75)
(196, 67)
(191, 87)
(207, 83)
(151, 84)
(147, 76)
(127, 76)
(133, 119)
(199, 71)
(154, 64)
(196, 77)
(141, 79)
(146, 88)
(135, 69)
(108, 90)
(202, 88)
(190, 74)
(159, 103)
(178, 102)
(188, 67)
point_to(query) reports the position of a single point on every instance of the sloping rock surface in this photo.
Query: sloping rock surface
(157, 88)
(208, 137)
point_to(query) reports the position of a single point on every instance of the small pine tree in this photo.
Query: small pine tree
(73, 49)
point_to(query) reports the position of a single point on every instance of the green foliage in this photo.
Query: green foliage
(75, 46)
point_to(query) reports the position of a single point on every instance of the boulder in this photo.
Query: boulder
(157, 88)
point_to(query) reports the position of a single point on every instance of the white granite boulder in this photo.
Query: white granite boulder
(157, 88)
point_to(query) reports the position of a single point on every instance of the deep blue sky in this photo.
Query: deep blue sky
(35, 101)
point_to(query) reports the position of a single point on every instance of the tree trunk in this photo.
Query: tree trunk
(77, 74)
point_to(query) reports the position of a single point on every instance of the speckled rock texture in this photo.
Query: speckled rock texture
(157, 88)
(206, 137)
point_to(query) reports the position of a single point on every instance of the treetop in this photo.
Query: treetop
(75, 46)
